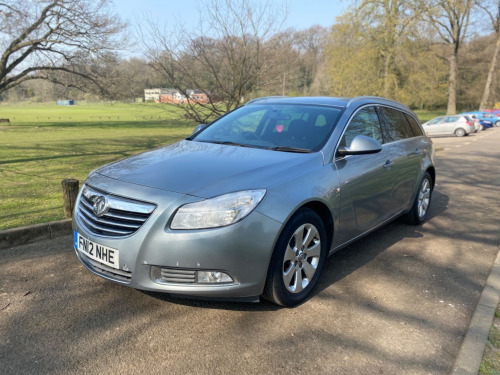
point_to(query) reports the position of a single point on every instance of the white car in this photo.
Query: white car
(449, 125)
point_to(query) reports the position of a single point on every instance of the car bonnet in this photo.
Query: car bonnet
(207, 170)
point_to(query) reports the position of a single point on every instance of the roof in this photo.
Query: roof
(328, 101)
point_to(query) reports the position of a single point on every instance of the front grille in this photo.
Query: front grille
(172, 275)
(106, 270)
(122, 218)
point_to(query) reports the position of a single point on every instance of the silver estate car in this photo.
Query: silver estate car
(253, 203)
(458, 125)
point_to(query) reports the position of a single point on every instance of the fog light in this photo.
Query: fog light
(213, 277)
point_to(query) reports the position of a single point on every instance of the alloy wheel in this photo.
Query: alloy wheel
(424, 196)
(301, 258)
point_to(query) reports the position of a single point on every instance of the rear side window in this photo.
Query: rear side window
(417, 131)
(452, 119)
(364, 122)
(396, 127)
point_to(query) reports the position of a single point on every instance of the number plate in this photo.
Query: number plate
(98, 252)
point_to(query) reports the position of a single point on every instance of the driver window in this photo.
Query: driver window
(364, 122)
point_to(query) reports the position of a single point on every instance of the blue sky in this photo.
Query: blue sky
(302, 13)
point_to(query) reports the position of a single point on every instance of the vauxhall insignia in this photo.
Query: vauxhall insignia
(101, 205)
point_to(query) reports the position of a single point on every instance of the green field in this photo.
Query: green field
(47, 143)
(425, 116)
(38, 150)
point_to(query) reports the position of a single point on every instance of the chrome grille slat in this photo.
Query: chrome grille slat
(106, 270)
(96, 228)
(115, 222)
(102, 220)
(122, 216)
(112, 213)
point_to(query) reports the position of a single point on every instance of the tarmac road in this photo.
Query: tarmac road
(396, 302)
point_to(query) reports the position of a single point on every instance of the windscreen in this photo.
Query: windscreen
(281, 127)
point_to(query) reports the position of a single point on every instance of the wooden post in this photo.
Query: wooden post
(70, 188)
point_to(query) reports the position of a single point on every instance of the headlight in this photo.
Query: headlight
(217, 212)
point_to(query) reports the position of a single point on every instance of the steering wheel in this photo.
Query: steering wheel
(250, 135)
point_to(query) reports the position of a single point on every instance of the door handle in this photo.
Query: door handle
(388, 165)
(417, 151)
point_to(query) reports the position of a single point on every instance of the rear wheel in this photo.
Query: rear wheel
(460, 132)
(298, 259)
(420, 209)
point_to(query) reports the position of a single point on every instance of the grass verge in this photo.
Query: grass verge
(490, 364)
(35, 156)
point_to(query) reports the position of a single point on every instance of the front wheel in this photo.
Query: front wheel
(420, 209)
(298, 259)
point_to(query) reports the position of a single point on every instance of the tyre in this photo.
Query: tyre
(297, 260)
(460, 132)
(420, 209)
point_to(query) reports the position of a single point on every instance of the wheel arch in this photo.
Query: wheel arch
(432, 172)
(325, 214)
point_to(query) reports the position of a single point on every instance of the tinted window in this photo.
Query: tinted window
(396, 126)
(364, 122)
(414, 126)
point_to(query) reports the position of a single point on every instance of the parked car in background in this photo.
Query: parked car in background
(477, 124)
(486, 124)
(495, 120)
(252, 204)
(457, 125)
(496, 112)
(481, 124)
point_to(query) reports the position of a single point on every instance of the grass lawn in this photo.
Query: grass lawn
(425, 116)
(47, 143)
(36, 155)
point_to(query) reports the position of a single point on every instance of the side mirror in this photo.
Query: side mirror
(360, 145)
(199, 128)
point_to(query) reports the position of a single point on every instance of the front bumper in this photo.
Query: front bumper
(242, 250)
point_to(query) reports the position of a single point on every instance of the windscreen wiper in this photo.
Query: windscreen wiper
(290, 149)
(229, 143)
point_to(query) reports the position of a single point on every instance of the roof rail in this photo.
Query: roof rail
(266, 97)
(352, 100)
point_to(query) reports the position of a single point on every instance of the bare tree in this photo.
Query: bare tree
(492, 9)
(450, 19)
(226, 56)
(38, 38)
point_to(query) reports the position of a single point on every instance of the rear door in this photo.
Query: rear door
(452, 123)
(405, 154)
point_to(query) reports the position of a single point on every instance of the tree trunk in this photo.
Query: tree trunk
(452, 84)
(387, 67)
(485, 101)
